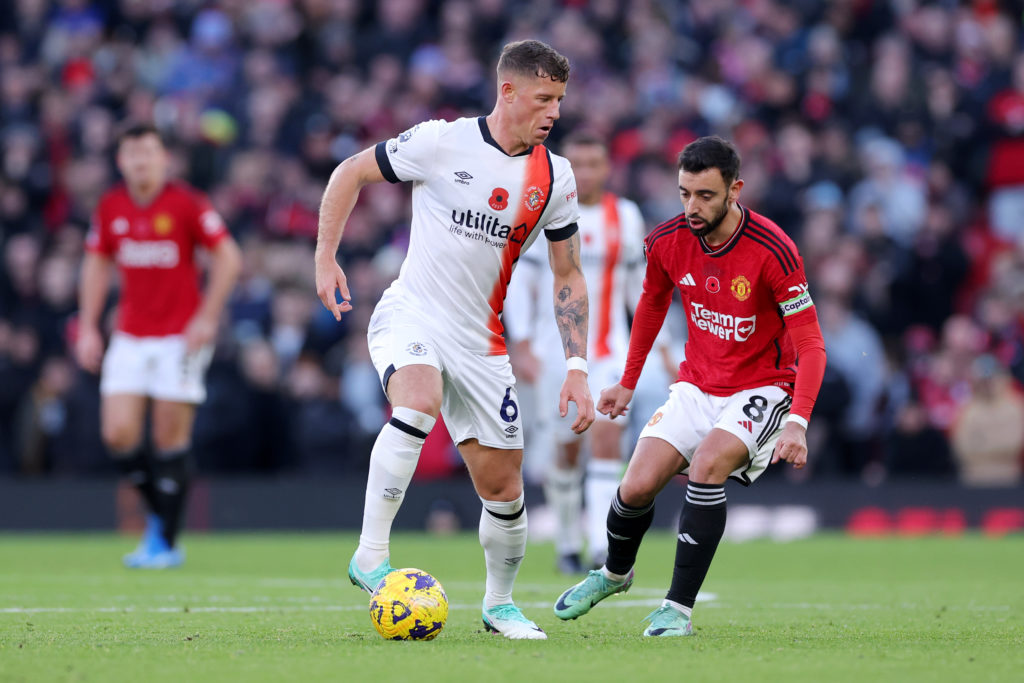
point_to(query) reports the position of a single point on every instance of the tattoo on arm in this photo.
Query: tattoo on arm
(571, 314)
(573, 243)
(572, 310)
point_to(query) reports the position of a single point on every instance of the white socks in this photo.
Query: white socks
(503, 536)
(392, 463)
(563, 489)
(688, 611)
(602, 481)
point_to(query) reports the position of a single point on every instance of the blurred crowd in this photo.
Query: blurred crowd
(885, 136)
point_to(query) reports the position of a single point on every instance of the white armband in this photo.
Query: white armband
(576, 363)
(799, 420)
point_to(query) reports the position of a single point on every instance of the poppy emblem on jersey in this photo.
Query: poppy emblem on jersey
(499, 199)
(740, 288)
(162, 224)
(712, 284)
(533, 198)
(655, 419)
(416, 349)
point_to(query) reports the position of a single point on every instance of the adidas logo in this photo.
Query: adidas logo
(747, 424)
(687, 281)
(687, 538)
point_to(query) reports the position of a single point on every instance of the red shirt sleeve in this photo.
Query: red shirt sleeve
(794, 300)
(647, 320)
(810, 369)
(209, 226)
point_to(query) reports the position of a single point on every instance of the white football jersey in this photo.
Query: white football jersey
(611, 253)
(475, 209)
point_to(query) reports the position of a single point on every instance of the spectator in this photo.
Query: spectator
(915, 449)
(988, 435)
(885, 136)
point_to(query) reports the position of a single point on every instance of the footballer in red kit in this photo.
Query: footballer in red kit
(742, 399)
(154, 249)
(738, 297)
(149, 228)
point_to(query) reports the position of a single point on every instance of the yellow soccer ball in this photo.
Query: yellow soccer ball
(409, 604)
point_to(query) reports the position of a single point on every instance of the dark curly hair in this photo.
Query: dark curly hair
(711, 152)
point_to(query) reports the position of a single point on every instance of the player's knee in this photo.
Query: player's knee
(500, 491)
(707, 468)
(638, 491)
(170, 441)
(423, 402)
(120, 437)
(606, 449)
(567, 458)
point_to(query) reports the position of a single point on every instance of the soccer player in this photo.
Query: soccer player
(611, 234)
(483, 190)
(740, 402)
(149, 227)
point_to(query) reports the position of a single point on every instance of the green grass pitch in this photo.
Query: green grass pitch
(262, 607)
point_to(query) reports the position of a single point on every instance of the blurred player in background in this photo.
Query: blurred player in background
(611, 234)
(741, 400)
(483, 190)
(150, 227)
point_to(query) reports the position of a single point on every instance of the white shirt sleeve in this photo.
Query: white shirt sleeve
(564, 208)
(411, 155)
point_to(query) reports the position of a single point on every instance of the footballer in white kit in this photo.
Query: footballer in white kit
(475, 210)
(483, 190)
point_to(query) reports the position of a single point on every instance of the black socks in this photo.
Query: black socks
(135, 467)
(172, 473)
(626, 528)
(701, 525)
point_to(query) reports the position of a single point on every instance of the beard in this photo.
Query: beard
(709, 226)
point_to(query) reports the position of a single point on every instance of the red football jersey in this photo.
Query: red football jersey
(154, 247)
(738, 298)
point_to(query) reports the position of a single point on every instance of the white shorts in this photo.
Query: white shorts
(479, 398)
(755, 416)
(158, 367)
(601, 374)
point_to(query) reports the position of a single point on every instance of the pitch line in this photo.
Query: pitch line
(245, 609)
(710, 599)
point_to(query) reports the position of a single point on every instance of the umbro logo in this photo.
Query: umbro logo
(463, 178)
(688, 281)
(511, 429)
(747, 424)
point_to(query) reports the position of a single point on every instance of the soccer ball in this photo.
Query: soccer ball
(409, 604)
